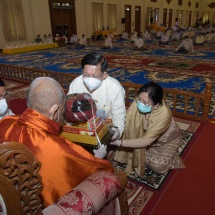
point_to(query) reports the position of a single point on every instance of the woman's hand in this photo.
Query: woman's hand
(116, 143)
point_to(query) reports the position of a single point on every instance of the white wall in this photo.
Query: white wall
(37, 16)
(40, 17)
(205, 9)
(84, 12)
(36, 19)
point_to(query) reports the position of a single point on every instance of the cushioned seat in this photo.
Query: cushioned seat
(20, 187)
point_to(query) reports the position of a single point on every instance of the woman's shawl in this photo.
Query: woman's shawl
(134, 128)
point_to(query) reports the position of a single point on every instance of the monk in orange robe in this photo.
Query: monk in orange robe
(63, 163)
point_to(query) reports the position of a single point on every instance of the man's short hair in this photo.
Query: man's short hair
(95, 59)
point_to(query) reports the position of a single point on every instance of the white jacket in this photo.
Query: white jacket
(138, 43)
(108, 42)
(110, 96)
(187, 44)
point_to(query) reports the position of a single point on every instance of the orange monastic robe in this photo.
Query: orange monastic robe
(63, 163)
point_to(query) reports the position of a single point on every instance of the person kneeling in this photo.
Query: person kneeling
(151, 137)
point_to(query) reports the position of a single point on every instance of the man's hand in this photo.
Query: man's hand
(101, 152)
(116, 134)
(116, 143)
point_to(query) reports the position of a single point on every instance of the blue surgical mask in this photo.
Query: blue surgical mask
(143, 108)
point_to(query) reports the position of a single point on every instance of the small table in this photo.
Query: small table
(35, 47)
(103, 33)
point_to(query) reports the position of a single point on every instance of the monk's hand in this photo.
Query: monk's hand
(116, 134)
(101, 152)
(116, 143)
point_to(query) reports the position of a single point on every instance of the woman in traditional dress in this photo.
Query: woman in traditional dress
(151, 137)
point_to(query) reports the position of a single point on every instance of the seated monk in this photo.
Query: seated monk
(63, 164)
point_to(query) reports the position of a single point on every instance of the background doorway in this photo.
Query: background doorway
(62, 12)
(137, 18)
(128, 18)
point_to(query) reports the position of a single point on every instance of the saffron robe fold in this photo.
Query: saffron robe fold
(63, 164)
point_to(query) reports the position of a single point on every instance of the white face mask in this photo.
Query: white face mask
(58, 114)
(3, 106)
(92, 83)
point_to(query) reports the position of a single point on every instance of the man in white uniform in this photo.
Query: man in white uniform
(146, 35)
(185, 46)
(49, 38)
(210, 37)
(108, 42)
(124, 35)
(152, 31)
(82, 42)
(159, 34)
(106, 91)
(4, 111)
(138, 43)
(176, 36)
(74, 39)
(164, 39)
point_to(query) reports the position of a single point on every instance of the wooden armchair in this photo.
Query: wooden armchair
(20, 187)
(20, 182)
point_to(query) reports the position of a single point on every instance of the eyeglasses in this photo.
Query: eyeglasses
(3, 96)
(138, 100)
(85, 75)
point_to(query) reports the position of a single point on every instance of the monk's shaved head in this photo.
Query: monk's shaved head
(44, 93)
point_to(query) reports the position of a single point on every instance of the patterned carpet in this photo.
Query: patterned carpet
(177, 65)
(16, 89)
(138, 197)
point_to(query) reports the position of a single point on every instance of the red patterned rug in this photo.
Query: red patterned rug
(128, 62)
(142, 197)
(173, 64)
(138, 197)
(16, 89)
(17, 92)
